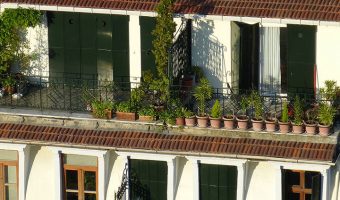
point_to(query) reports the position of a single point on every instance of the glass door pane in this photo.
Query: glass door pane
(90, 187)
(10, 173)
(71, 180)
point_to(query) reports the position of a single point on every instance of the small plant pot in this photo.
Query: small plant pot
(229, 122)
(215, 122)
(324, 130)
(180, 121)
(297, 129)
(284, 127)
(202, 121)
(190, 121)
(310, 128)
(257, 124)
(270, 125)
(126, 116)
(242, 122)
(145, 118)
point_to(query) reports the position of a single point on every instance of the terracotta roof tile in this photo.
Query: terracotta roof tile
(180, 143)
(303, 9)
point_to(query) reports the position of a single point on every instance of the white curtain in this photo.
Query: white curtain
(270, 73)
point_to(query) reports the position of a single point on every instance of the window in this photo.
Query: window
(80, 177)
(217, 182)
(301, 185)
(8, 175)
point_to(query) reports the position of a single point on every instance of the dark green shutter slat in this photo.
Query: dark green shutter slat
(104, 32)
(88, 31)
(56, 61)
(88, 63)
(55, 29)
(71, 30)
(72, 63)
(147, 24)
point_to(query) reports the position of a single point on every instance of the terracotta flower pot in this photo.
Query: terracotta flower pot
(202, 121)
(284, 127)
(310, 127)
(242, 122)
(228, 122)
(180, 121)
(257, 125)
(215, 122)
(298, 129)
(145, 118)
(270, 125)
(324, 130)
(190, 121)
(126, 116)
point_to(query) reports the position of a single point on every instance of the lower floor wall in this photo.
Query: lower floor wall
(41, 174)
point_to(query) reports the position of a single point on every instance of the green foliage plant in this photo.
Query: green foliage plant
(147, 111)
(326, 114)
(257, 103)
(160, 89)
(13, 26)
(284, 114)
(188, 113)
(203, 92)
(330, 90)
(100, 108)
(298, 111)
(244, 104)
(124, 106)
(136, 97)
(216, 111)
(163, 35)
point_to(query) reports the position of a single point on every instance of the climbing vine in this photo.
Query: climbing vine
(164, 34)
(13, 28)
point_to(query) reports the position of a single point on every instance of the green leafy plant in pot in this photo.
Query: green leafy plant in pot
(125, 111)
(229, 120)
(310, 122)
(8, 85)
(271, 121)
(216, 115)
(102, 109)
(284, 122)
(257, 104)
(203, 92)
(242, 118)
(190, 118)
(326, 115)
(298, 115)
(146, 114)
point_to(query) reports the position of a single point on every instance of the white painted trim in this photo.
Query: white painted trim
(23, 161)
(102, 169)
(241, 165)
(323, 169)
(171, 184)
(57, 175)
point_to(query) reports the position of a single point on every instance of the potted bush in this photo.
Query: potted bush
(298, 113)
(190, 118)
(102, 109)
(242, 118)
(310, 122)
(284, 121)
(216, 115)
(146, 114)
(179, 112)
(271, 122)
(229, 120)
(8, 85)
(168, 117)
(203, 92)
(326, 116)
(125, 111)
(256, 103)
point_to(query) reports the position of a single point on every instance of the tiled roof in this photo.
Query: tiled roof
(175, 143)
(325, 10)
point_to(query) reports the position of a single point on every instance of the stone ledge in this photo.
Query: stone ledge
(86, 121)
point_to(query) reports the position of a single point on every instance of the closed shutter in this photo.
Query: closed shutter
(147, 24)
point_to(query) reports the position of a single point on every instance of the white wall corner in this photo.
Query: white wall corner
(172, 174)
(132, 12)
(310, 22)
(241, 180)
(325, 184)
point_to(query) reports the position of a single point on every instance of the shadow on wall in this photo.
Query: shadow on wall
(249, 174)
(208, 52)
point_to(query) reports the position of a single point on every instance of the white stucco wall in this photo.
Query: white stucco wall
(41, 178)
(210, 49)
(116, 168)
(327, 54)
(185, 187)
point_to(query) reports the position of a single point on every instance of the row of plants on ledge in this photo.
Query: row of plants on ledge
(152, 101)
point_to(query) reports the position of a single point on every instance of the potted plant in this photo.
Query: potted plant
(310, 122)
(102, 109)
(160, 92)
(176, 106)
(298, 113)
(257, 105)
(229, 120)
(168, 117)
(125, 111)
(329, 92)
(146, 114)
(326, 116)
(284, 121)
(203, 92)
(180, 114)
(242, 118)
(271, 122)
(8, 85)
(216, 115)
(190, 118)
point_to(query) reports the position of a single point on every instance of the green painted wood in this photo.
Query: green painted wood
(72, 63)
(56, 62)
(217, 182)
(147, 24)
(152, 176)
(71, 30)
(88, 31)
(120, 45)
(55, 29)
(104, 32)
(301, 50)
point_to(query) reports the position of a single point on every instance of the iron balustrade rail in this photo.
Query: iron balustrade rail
(76, 94)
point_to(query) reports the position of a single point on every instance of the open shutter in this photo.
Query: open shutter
(316, 187)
